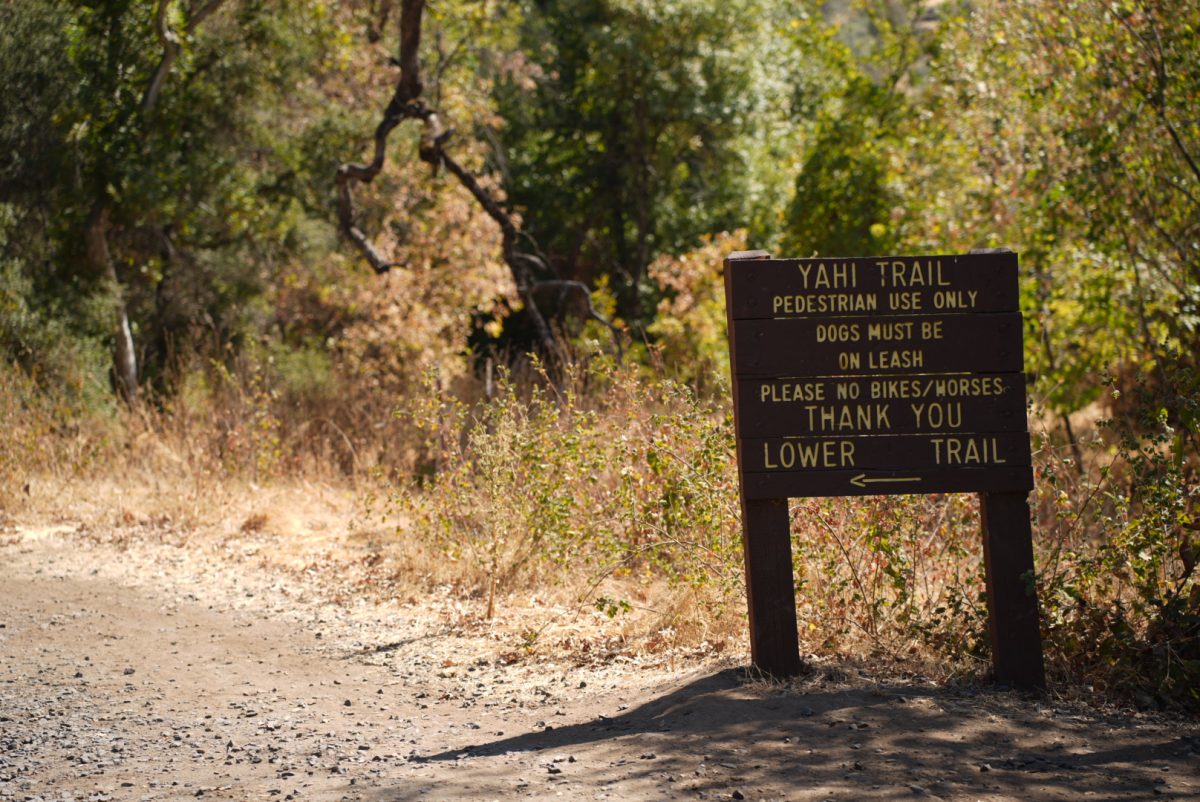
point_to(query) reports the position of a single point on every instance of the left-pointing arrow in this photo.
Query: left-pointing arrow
(862, 481)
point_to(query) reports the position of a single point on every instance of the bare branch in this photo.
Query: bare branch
(583, 295)
(406, 104)
(410, 46)
(379, 16)
(171, 47)
(198, 15)
(518, 263)
(1156, 95)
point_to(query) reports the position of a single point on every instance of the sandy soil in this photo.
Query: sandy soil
(137, 666)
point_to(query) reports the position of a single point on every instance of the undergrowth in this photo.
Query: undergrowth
(619, 479)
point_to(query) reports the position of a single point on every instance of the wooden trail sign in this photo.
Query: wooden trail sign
(882, 375)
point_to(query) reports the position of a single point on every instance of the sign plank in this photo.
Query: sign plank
(892, 285)
(885, 452)
(881, 404)
(867, 346)
(873, 483)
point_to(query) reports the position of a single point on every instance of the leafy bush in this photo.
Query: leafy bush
(1118, 585)
(610, 476)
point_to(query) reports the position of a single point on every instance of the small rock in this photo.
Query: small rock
(127, 671)
(985, 767)
(737, 795)
(347, 703)
(807, 712)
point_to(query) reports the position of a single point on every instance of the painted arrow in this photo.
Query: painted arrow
(862, 481)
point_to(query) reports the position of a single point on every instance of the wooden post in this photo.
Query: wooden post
(1011, 596)
(770, 589)
(767, 548)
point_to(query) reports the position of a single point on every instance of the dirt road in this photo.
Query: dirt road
(131, 670)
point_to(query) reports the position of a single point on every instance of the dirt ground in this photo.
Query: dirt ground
(138, 665)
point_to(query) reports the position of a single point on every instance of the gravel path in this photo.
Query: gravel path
(138, 668)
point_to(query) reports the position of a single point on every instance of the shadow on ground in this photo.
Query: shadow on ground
(721, 736)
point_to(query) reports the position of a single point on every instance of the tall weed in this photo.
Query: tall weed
(611, 476)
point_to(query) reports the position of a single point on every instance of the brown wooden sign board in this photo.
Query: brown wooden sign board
(879, 346)
(881, 404)
(894, 285)
(885, 482)
(807, 456)
(882, 375)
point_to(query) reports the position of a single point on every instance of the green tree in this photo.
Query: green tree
(632, 127)
(850, 196)
(147, 187)
(1066, 131)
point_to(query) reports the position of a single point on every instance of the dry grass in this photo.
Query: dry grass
(594, 521)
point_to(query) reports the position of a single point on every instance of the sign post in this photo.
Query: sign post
(882, 375)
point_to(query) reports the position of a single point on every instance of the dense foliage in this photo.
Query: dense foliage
(167, 207)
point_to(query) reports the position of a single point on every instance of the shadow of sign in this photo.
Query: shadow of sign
(720, 733)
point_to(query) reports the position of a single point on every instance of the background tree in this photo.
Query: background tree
(138, 127)
(632, 128)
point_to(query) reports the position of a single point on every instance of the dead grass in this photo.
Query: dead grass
(591, 523)
(344, 545)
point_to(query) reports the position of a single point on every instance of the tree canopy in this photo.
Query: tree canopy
(168, 193)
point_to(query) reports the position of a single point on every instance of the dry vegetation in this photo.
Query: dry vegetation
(352, 426)
(594, 519)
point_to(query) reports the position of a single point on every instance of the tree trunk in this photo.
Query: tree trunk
(100, 260)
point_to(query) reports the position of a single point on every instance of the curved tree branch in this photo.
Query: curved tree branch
(171, 46)
(407, 104)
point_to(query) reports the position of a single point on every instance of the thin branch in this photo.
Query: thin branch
(379, 20)
(407, 104)
(584, 296)
(171, 46)
(404, 105)
(1157, 96)
(198, 15)
(518, 263)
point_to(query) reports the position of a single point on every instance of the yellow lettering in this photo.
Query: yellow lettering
(831, 303)
(788, 454)
(848, 417)
(902, 274)
(890, 331)
(767, 456)
(890, 360)
(967, 451)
